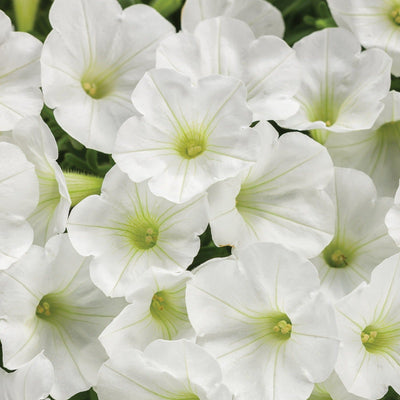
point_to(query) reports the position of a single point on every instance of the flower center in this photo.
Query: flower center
(283, 327)
(43, 309)
(157, 305)
(98, 83)
(381, 339)
(191, 141)
(143, 233)
(279, 326)
(395, 15)
(336, 255)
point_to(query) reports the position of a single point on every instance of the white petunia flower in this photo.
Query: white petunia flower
(375, 151)
(262, 17)
(158, 311)
(369, 328)
(48, 302)
(375, 23)
(128, 230)
(261, 315)
(32, 381)
(190, 136)
(392, 219)
(165, 370)
(20, 95)
(34, 137)
(361, 239)
(272, 202)
(332, 389)
(342, 87)
(267, 66)
(92, 61)
(19, 194)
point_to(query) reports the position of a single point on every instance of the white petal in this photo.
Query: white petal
(263, 18)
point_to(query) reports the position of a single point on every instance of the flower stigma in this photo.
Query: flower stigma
(43, 309)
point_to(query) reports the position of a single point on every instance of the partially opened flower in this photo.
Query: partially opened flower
(48, 302)
(158, 311)
(128, 230)
(262, 17)
(369, 328)
(92, 61)
(267, 66)
(33, 381)
(375, 151)
(361, 239)
(34, 137)
(262, 316)
(342, 87)
(375, 24)
(190, 136)
(165, 370)
(19, 194)
(272, 202)
(20, 95)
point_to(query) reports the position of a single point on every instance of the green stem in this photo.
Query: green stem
(81, 186)
(25, 14)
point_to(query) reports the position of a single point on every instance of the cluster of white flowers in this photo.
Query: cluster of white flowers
(307, 306)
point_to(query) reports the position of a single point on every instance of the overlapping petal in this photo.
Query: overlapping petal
(49, 303)
(262, 17)
(267, 66)
(128, 230)
(195, 134)
(91, 62)
(272, 202)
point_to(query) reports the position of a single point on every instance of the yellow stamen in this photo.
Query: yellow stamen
(328, 123)
(193, 150)
(44, 309)
(283, 327)
(90, 88)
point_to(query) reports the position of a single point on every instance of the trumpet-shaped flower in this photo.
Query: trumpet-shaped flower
(272, 202)
(20, 95)
(375, 23)
(369, 328)
(361, 239)
(261, 16)
(262, 316)
(190, 136)
(375, 151)
(48, 302)
(92, 61)
(19, 194)
(332, 388)
(158, 311)
(267, 66)
(34, 137)
(33, 381)
(392, 219)
(128, 230)
(165, 370)
(342, 87)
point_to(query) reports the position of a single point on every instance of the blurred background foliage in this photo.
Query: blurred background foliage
(302, 17)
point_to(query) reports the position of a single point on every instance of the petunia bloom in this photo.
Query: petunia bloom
(91, 62)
